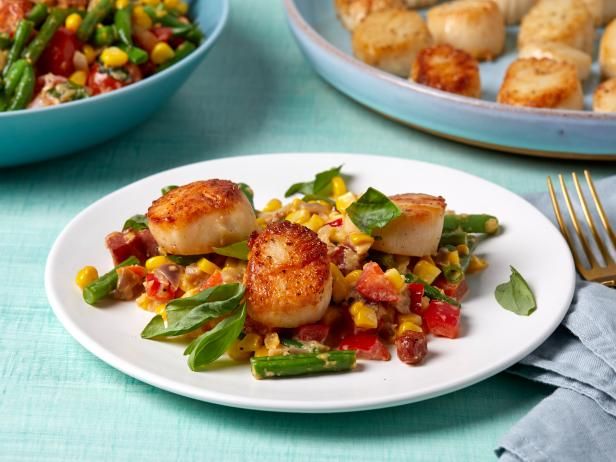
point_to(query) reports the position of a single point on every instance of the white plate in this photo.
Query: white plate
(491, 337)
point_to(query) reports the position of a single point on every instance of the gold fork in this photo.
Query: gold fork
(603, 273)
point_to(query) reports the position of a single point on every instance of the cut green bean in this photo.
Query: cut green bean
(53, 22)
(24, 90)
(122, 21)
(453, 273)
(105, 36)
(179, 28)
(104, 285)
(466, 259)
(474, 223)
(13, 76)
(265, 367)
(181, 52)
(22, 34)
(136, 55)
(38, 14)
(92, 18)
(430, 291)
(453, 238)
(5, 41)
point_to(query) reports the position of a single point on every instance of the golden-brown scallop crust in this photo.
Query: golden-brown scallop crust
(419, 205)
(288, 276)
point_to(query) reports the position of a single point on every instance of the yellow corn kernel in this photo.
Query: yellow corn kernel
(182, 7)
(394, 276)
(272, 341)
(340, 288)
(297, 204)
(171, 4)
(72, 22)
(408, 326)
(261, 222)
(272, 205)
(429, 259)
(463, 249)
(207, 266)
(161, 53)
(331, 316)
(79, 78)
(85, 276)
(299, 216)
(353, 277)
(476, 264)
(338, 186)
(363, 316)
(141, 18)
(113, 57)
(150, 2)
(89, 53)
(241, 350)
(143, 301)
(410, 317)
(361, 238)
(263, 351)
(120, 4)
(343, 201)
(453, 257)
(154, 262)
(314, 223)
(426, 271)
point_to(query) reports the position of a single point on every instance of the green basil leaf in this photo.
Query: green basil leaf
(248, 192)
(320, 186)
(237, 250)
(166, 189)
(211, 345)
(136, 223)
(372, 210)
(184, 260)
(187, 314)
(516, 295)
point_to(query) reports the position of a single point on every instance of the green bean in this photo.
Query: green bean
(179, 28)
(135, 54)
(5, 41)
(13, 76)
(22, 34)
(453, 273)
(37, 14)
(3, 102)
(92, 18)
(24, 91)
(181, 52)
(430, 291)
(474, 223)
(284, 366)
(453, 238)
(105, 35)
(122, 21)
(53, 22)
(104, 285)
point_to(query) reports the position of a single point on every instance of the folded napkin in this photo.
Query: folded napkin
(578, 421)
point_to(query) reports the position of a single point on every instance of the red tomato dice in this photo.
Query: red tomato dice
(374, 286)
(214, 280)
(157, 289)
(367, 346)
(312, 332)
(163, 34)
(58, 55)
(442, 319)
(453, 290)
(416, 291)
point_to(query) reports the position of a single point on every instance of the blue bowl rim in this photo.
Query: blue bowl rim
(298, 22)
(198, 54)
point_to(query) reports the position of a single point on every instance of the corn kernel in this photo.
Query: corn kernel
(79, 78)
(85, 276)
(315, 223)
(121, 4)
(114, 57)
(161, 53)
(261, 222)
(426, 271)
(171, 4)
(410, 317)
(207, 266)
(141, 18)
(297, 204)
(72, 22)
(463, 249)
(343, 201)
(363, 316)
(361, 238)
(143, 301)
(263, 351)
(331, 316)
(272, 205)
(453, 257)
(353, 277)
(429, 259)
(338, 186)
(241, 350)
(150, 2)
(394, 276)
(272, 341)
(408, 326)
(340, 288)
(154, 262)
(182, 7)
(299, 216)
(476, 264)
(89, 53)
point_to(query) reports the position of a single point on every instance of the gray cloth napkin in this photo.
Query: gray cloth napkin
(578, 421)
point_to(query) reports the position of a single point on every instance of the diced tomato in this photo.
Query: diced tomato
(140, 244)
(157, 289)
(374, 286)
(58, 55)
(312, 332)
(367, 346)
(416, 291)
(103, 82)
(335, 223)
(442, 319)
(453, 290)
(163, 34)
(214, 280)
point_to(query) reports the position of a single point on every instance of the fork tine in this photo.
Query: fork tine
(590, 221)
(602, 215)
(563, 226)
(576, 225)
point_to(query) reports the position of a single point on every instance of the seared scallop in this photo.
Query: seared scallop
(417, 231)
(562, 21)
(607, 51)
(609, 11)
(288, 279)
(559, 52)
(352, 12)
(390, 40)
(604, 99)
(447, 69)
(419, 3)
(514, 10)
(475, 26)
(541, 83)
(194, 218)
(595, 8)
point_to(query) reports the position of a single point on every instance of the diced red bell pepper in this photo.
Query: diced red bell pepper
(214, 280)
(374, 286)
(312, 332)
(367, 346)
(442, 319)
(157, 289)
(416, 291)
(454, 290)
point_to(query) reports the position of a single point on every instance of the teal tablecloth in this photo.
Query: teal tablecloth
(254, 94)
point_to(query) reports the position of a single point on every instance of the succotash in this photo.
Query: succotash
(54, 55)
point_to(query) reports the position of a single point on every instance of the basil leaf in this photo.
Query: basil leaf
(320, 186)
(248, 192)
(187, 314)
(237, 250)
(516, 295)
(136, 223)
(166, 189)
(372, 210)
(184, 260)
(211, 345)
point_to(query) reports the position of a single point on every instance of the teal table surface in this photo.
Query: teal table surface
(254, 94)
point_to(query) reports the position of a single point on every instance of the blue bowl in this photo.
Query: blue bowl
(36, 134)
